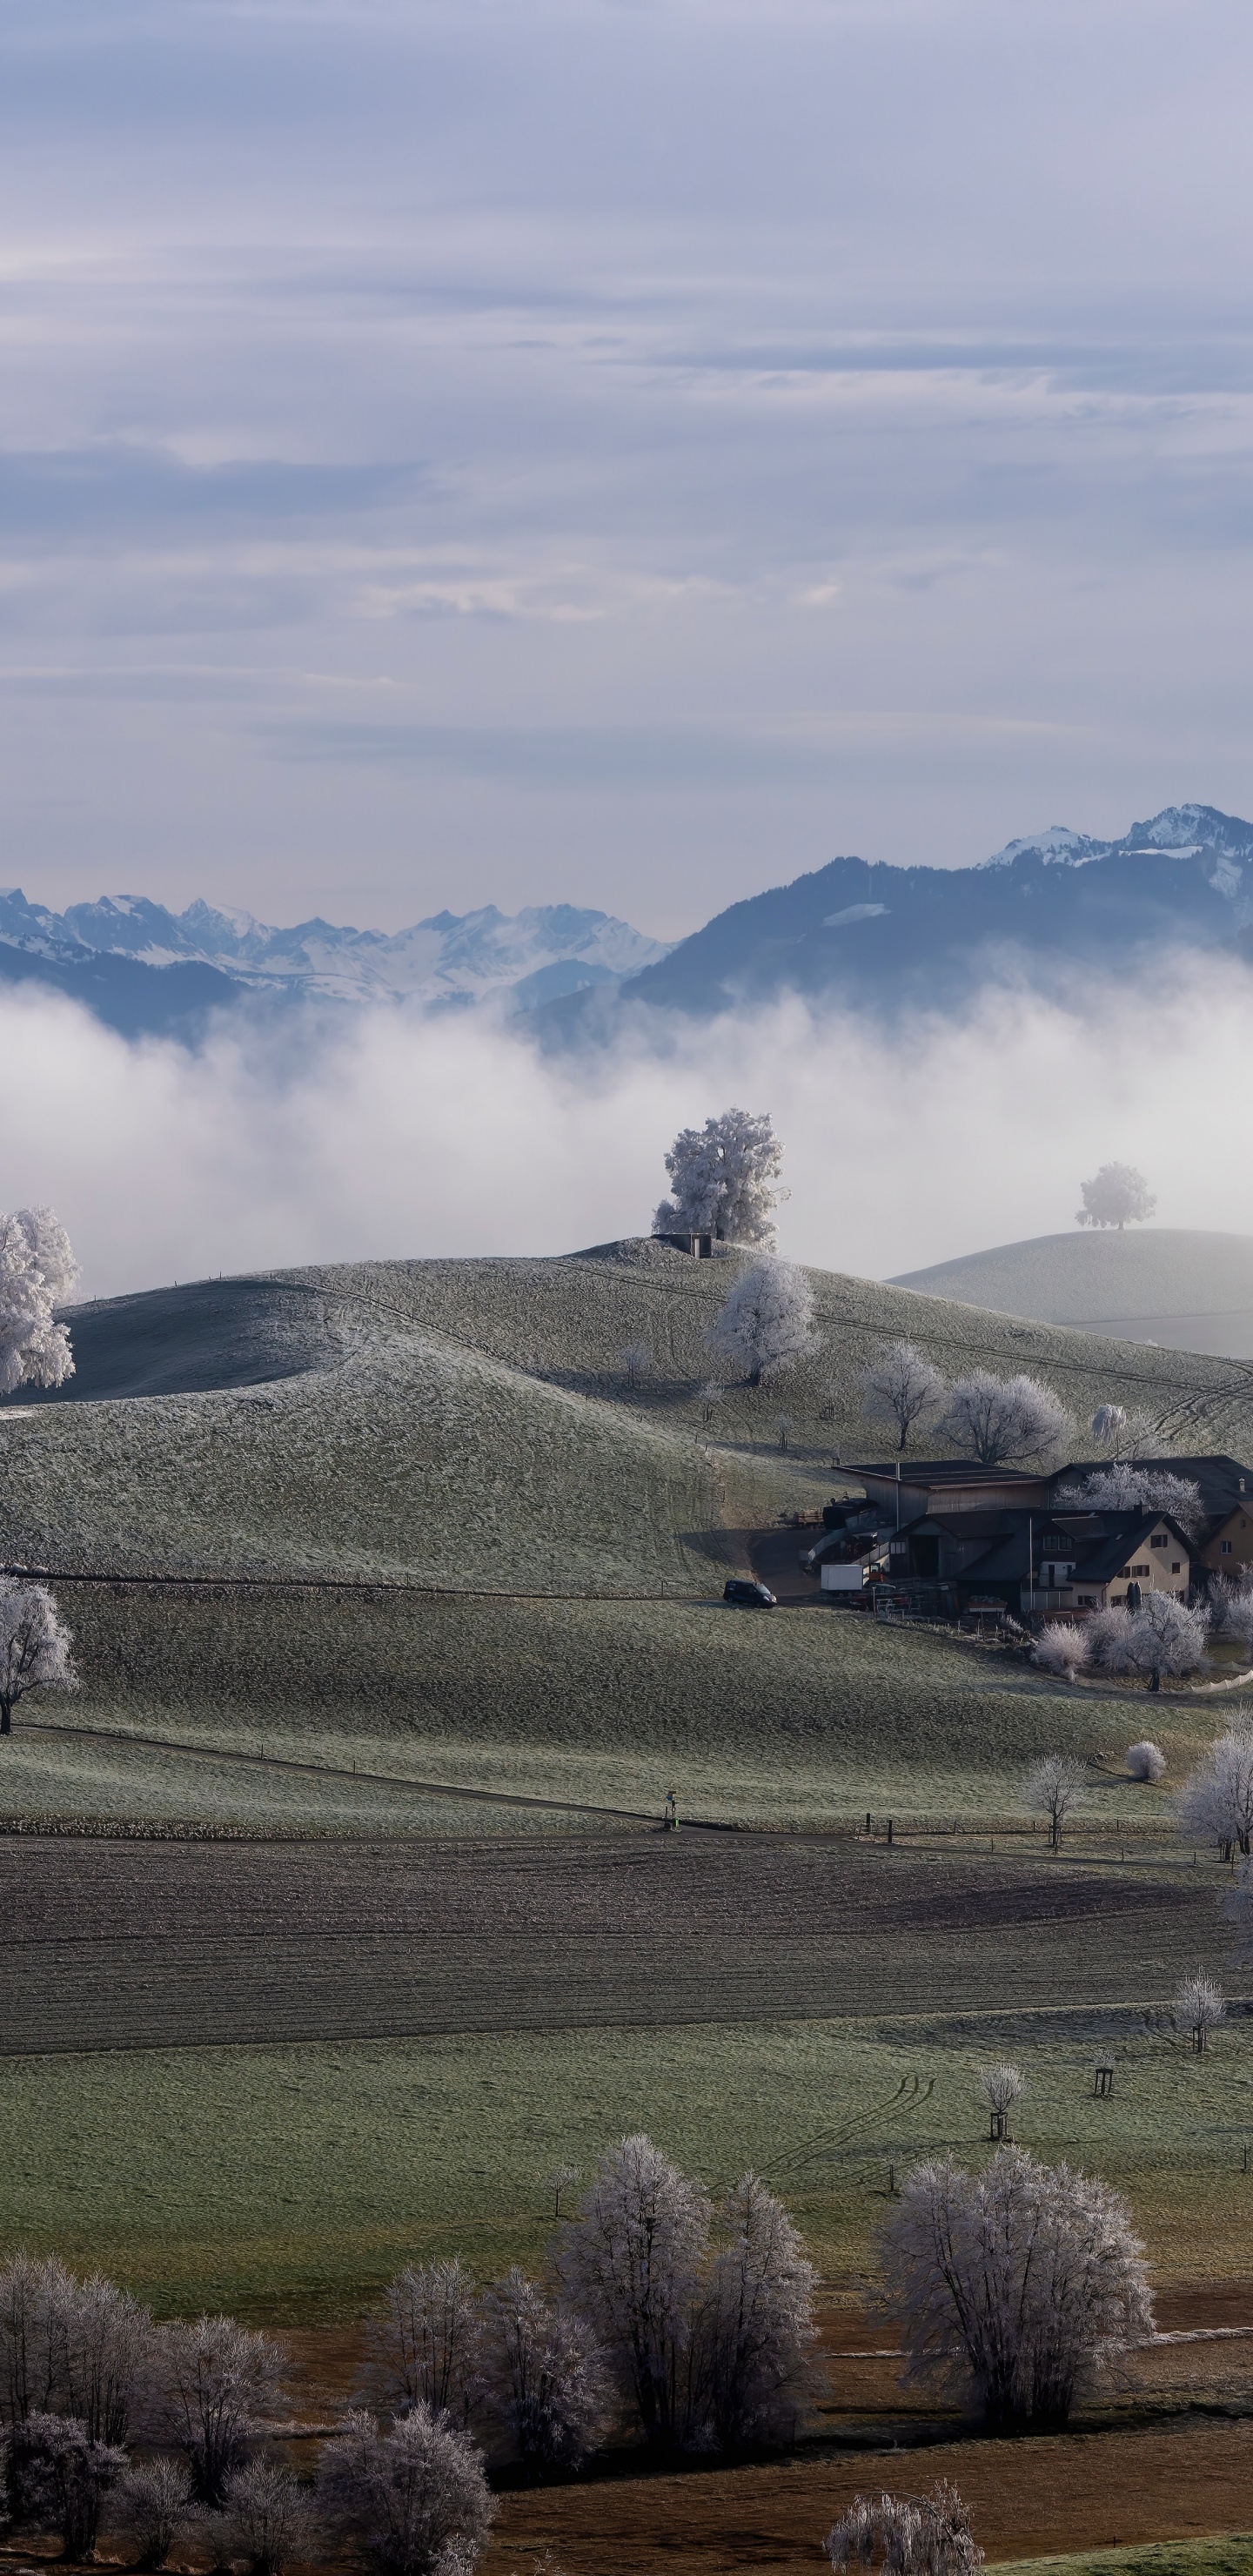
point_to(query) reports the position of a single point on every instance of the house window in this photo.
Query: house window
(1176, 1569)
(1224, 1547)
(1158, 1542)
(1087, 1600)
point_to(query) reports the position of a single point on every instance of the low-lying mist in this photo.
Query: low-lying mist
(392, 1135)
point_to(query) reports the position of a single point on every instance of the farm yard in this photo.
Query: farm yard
(341, 1916)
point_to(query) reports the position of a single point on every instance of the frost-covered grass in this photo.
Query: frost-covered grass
(792, 1719)
(292, 2181)
(471, 1427)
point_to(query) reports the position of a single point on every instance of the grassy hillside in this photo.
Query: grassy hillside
(465, 1429)
(1188, 1291)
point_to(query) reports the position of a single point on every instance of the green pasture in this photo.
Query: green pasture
(1228, 2554)
(804, 1718)
(289, 2183)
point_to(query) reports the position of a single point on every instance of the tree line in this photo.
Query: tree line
(664, 2315)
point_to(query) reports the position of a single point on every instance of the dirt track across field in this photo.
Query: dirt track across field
(168, 1944)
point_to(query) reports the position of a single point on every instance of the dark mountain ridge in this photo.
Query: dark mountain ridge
(864, 933)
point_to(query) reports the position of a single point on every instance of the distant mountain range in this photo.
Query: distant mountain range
(888, 938)
(146, 970)
(854, 933)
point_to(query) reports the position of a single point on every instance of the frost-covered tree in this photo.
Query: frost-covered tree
(63, 2478)
(637, 1359)
(999, 2088)
(901, 1389)
(767, 1322)
(711, 1396)
(757, 2321)
(1062, 1647)
(154, 2503)
(1125, 1487)
(1108, 1421)
(724, 1180)
(1109, 1633)
(1198, 2008)
(544, 2381)
(424, 2348)
(1165, 1636)
(1053, 1788)
(1117, 1195)
(633, 2262)
(1230, 1605)
(1216, 1801)
(218, 2380)
(34, 1646)
(1015, 2284)
(416, 2498)
(905, 2536)
(37, 1272)
(107, 2352)
(1145, 1761)
(270, 2517)
(1001, 1421)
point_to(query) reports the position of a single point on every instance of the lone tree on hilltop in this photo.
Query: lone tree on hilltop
(767, 1322)
(1015, 2284)
(905, 2536)
(902, 1388)
(1117, 1195)
(37, 1272)
(724, 1177)
(1053, 1788)
(1216, 1801)
(34, 1646)
(1000, 1421)
(1198, 2009)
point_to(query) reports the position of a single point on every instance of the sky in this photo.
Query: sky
(615, 451)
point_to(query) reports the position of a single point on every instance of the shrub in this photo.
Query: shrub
(906, 2535)
(269, 2517)
(415, 2498)
(154, 2502)
(1062, 1647)
(1145, 1761)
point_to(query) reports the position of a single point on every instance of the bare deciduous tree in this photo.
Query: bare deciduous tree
(724, 1177)
(1216, 1802)
(757, 2324)
(1000, 2087)
(37, 1272)
(218, 2379)
(767, 1322)
(108, 2351)
(1125, 1487)
(1117, 1195)
(902, 1388)
(637, 1359)
(1062, 1647)
(63, 2478)
(905, 2536)
(1053, 1788)
(34, 1646)
(415, 2498)
(1198, 2009)
(34, 2290)
(1017, 2283)
(1231, 1606)
(154, 2502)
(425, 2348)
(711, 1396)
(1145, 1761)
(545, 2383)
(1001, 1421)
(563, 2178)
(633, 2261)
(1166, 1636)
(270, 2517)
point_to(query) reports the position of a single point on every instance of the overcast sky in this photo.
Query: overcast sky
(623, 454)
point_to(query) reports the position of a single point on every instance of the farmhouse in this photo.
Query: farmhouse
(948, 1536)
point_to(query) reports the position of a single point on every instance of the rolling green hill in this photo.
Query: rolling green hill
(1189, 1291)
(443, 1541)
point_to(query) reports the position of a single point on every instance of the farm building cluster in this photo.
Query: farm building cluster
(947, 1538)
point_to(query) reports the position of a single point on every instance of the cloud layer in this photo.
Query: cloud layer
(411, 1137)
(623, 453)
